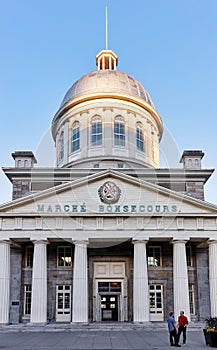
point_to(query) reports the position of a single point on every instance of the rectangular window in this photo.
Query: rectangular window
(191, 299)
(61, 146)
(96, 133)
(189, 256)
(75, 138)
(154, 256)
(119, 133)
(139, 139)
(29, 256)
(109, 287)
(27, 299)
(64, 256)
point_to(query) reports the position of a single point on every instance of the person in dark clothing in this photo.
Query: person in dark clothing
(182, 324)
(172, 326)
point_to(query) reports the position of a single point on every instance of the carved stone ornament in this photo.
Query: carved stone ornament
(109, 192)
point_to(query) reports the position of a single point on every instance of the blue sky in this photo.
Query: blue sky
(170, 46)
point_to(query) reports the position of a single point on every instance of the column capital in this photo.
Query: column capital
(6, 241)
(39, 241)
(136, 241)
(81, 242)
(175, 241)
(212, 241)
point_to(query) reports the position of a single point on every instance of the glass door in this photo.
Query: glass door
(63, 303)
(109, 308)
(156, 302)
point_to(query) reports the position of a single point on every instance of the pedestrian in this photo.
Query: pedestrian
(172, 326)
(182, 326)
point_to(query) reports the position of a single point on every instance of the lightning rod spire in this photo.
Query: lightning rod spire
(106, 28)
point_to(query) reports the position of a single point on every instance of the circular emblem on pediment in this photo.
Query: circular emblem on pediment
(109, 192)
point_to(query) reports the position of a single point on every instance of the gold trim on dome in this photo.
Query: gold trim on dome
(120, 96)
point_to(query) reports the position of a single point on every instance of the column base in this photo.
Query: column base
(142, 323)
(34, 324)
(79, 323)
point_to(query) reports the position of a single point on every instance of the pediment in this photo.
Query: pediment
(108, 192)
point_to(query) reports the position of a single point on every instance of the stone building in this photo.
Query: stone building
(107, 235)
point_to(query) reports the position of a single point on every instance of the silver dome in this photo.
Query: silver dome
(107, 81)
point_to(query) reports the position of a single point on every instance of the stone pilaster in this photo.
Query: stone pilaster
(80, 283)
(140, 283)
(213, 277)
(39, 283)
(4, 281)
(180, 279)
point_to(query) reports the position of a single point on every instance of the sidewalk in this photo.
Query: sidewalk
(92, 339)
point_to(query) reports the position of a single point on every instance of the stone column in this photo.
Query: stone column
(180, 279)
(140, 283)
(213, 277)
(39, 283)
(4, 281)
(80, 283)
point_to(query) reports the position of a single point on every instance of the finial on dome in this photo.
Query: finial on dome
(106, 59)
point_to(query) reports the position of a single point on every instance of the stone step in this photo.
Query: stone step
(94, 326)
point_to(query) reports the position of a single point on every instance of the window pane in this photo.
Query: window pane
(191, 299)
(61, 146)
(139, 139)
(154, 256)
(27, 299)
(103, 286)
(119, 133)
(96, 133)
(64, 256)
(75, 137)
(189, 255)
(29, 256)
(115, 286)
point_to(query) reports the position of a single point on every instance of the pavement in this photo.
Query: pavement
(94, 338)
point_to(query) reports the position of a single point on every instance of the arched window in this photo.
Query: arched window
(61, 146)
(190, 163)
(119, 131)
(140, 137)
(75, 141)
(96, 131)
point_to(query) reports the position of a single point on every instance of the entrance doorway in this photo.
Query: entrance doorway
(63, 303)
(109, 299)
(109, 307)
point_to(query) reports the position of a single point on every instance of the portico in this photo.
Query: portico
(127, 268)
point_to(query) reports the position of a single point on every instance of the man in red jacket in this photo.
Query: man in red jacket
(183, 322)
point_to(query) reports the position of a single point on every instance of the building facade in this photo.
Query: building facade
(107, 235)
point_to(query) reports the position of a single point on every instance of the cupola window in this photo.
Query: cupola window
(61, 146)
(140, 137)
(75, 137)
(119, 131)
(96, 131)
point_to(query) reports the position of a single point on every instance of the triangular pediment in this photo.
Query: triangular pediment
(108, 192)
